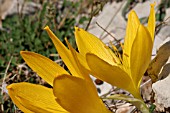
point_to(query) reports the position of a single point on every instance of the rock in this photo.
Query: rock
(157, 42)
(162, 92)
(10, 7)
(143, 9)
(159, 61)
(161, 87)
(164, 32)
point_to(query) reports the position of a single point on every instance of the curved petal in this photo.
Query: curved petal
(87, 42)
(140, 54)
(151, 21)
(131, 31)
(75, 95)
(111, 74)
(43, 66)
(81, 70)
(64, 52)
(31, 98)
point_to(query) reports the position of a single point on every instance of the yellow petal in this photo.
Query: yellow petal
(131, 31)
(31, 98)
(87, 42)
(76, 96)
(82, 72)
(106, 72)
(64, 52)
(44, 67)
(111, 74)
(140, 54)
(151, 21)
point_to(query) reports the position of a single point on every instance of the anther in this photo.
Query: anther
(126, 55)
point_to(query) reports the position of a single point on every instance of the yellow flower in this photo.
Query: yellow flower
(77, 93)
(125, 72)
(70, 94)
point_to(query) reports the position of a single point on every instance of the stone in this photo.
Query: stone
(162, 92)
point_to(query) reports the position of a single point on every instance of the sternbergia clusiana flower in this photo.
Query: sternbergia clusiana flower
(124, 72)
(70, 94)
(77, 93)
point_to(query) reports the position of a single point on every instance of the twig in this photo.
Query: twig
(108, 32)
(63, 20)
(91, 16)
(161, 24)
(2, 107)
(145, 83)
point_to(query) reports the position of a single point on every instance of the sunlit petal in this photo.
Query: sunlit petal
(76, 96)
(140, 54)
(131, 31)
(31, 98)
(80, 69)
(81, 72)
(87, 42)
(151, 21)
(43, 66)
(64, 52)
(109, 73)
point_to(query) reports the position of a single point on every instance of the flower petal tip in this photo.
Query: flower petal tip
(9, 87)
(23, 52)
(132, 11)
(77, 29)
(46, 28)
(66, 39)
